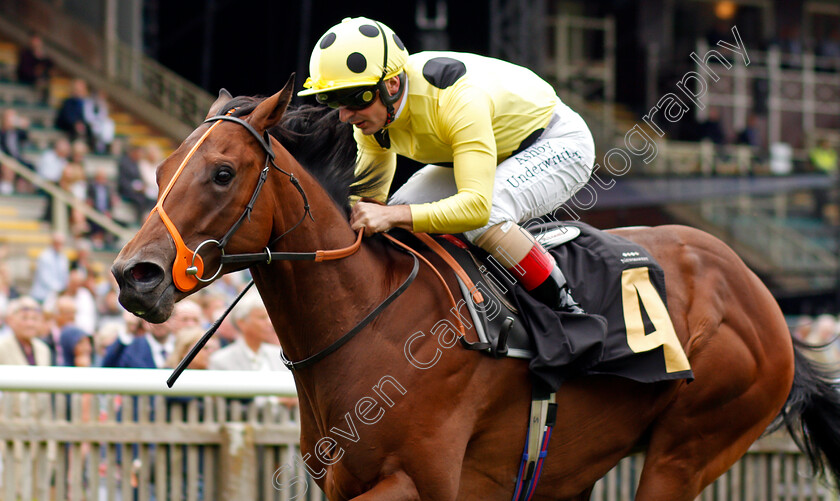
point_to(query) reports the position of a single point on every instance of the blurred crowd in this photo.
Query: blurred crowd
(807, 60)
(85, 128)
(71, 317)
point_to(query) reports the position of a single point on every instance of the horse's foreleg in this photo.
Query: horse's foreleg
(395, 487)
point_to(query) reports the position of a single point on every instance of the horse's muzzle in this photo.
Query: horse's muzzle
(143, 290)
(143, 276)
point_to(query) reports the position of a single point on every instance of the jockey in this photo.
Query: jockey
(501, 147)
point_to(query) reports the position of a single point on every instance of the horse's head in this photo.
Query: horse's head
(205, 190)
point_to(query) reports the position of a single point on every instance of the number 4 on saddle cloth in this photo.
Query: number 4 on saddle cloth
(614, 280)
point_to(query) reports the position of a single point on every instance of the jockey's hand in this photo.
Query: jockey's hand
(375, 218)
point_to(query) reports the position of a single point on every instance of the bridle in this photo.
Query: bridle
(188, 266)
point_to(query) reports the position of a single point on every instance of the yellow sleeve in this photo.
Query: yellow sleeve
(467, 125)
(374, 161)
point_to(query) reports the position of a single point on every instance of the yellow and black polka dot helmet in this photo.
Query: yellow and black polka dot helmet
(354, 53)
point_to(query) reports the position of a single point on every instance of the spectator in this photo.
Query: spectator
(751, 134)
(150, 350)
(106, 336)
(186, 314)
(13, 141)
(823, 157)
(829, 48)
(211, 301)
(71, 115)
(51, 270)
(53, 160)
(74, 181)
(792, 47)
(51, 167)
(100, 123)
(231, 284)
(34, 67)
(77, 347)
(14, 136)
(802, 328)
(824, 335)
(227, 331)
(130, 184)
(101, 197)
(64, 316)
(146, 350)
(251, 351)
(184, 341)
(7, 290)
(148, 163)
(26, 321)
(830, 45)
(711, 128)
(107, 302)
(82, 262)
(85, 303)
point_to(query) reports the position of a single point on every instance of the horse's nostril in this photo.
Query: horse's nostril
(145, 273)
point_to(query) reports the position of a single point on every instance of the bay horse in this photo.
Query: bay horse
(376, 427)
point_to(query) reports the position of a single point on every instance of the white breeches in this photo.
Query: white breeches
(532, 183)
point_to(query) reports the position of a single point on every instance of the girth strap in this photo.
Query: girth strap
(540, 425)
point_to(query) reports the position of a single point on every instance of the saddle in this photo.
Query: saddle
(614, 280)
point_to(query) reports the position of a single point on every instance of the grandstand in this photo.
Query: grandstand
(694, 124)
(790, 95)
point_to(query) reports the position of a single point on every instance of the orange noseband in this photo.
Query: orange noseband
(184, 281)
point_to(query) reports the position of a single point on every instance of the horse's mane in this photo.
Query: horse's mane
(322, 144)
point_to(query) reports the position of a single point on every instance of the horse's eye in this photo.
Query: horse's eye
(223, 176)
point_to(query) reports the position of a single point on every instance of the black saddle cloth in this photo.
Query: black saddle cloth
(593, 264)
(563, 346)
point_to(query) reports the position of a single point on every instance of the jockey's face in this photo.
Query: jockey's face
(372, 118)
(369, 120)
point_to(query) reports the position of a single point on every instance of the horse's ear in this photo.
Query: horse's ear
(270, 111)
(224, 97)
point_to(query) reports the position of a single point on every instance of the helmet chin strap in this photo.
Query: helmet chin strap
(388, 100)
(382, 137)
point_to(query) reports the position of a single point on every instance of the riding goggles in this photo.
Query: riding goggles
(353, 99)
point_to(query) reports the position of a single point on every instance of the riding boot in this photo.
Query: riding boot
(531, 264)
(554, 292)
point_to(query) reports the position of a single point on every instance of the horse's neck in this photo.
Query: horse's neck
(313, 303)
